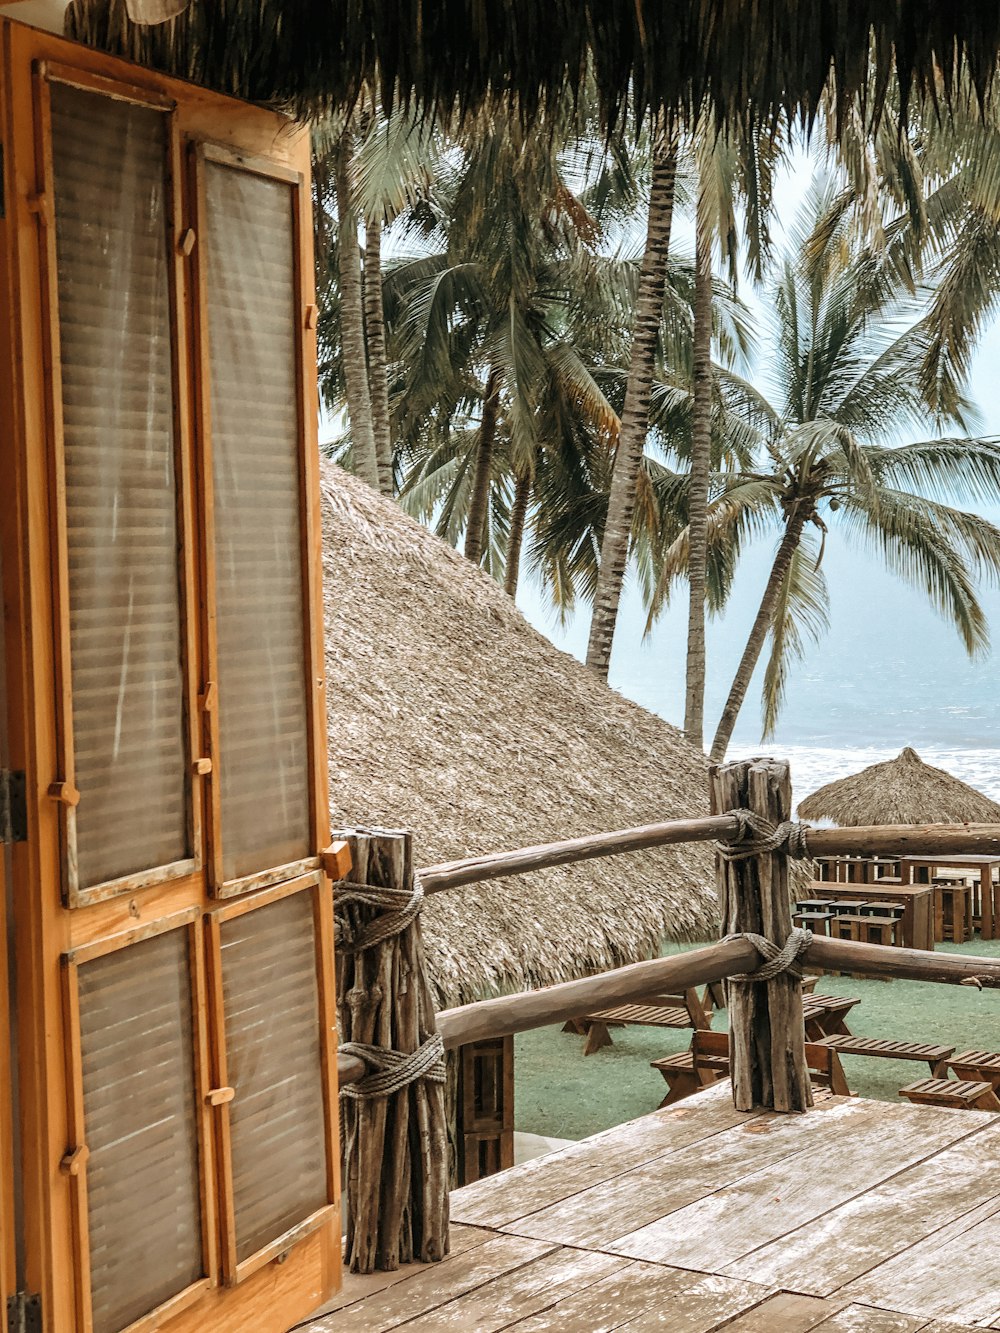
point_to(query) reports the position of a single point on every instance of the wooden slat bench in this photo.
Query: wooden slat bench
(964, 1094)
(977, 1066)
(824, 1015)
(887, 1049)
(707, 1061)
(659, 1011)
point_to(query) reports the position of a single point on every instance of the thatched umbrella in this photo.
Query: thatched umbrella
(451, 716)
(903, 790)
(768, 58)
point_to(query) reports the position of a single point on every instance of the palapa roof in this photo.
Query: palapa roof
(903, 790)
(764, 57)
(451, 716)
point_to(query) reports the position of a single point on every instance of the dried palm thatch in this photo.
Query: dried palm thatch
(765, 57)
(451, 716)
(903, 790)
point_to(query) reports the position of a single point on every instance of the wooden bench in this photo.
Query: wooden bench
(963, 1094)
(824, 1015)
(977, 1067)
(707, 1061)
(658, 1011)
(887, 1049)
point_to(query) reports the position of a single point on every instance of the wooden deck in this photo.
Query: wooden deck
(859, 1217)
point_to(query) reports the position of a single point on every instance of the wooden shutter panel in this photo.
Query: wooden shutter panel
(257, 502)
(138, 1061)
(277, 1117)
(118, 455)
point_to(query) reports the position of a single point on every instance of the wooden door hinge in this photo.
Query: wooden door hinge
(13, 807)
(24, 1313)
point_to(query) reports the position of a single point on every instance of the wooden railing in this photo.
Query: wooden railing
(765, 1018)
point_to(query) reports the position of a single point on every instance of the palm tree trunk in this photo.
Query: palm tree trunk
(635, 414)
(475, 529)
(701, 462)
(758, 633)
(518, 515)
(352, 322)
(378, 370)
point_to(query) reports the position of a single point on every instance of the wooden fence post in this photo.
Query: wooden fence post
(766, 1033)
(395, 1145)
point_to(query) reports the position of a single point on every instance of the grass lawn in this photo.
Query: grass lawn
(561, 1094)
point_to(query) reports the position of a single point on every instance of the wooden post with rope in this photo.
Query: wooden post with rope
(394, 1132)
(766, 1034)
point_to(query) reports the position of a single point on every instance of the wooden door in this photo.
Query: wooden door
(162, 517)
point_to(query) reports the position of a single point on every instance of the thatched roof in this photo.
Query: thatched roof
(903, 790)
(772, 55)
(449, 715)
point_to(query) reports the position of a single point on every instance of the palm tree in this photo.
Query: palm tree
(848, 351)
(635, 412)
(731, 166)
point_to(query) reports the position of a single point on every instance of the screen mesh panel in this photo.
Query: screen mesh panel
(109, 161)
(277, 1119)
(139, 1108)
(252, 308)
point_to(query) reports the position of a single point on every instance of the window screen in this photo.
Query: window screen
(274, 1064)
(140, 1123)
(109, 162)
(252, 307)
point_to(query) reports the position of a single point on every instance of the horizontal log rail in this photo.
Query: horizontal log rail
(908, 839)
(555, 1004)
(541, 856)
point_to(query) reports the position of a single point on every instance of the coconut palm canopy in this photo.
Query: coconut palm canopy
(449, 715)
(903, 790)
(763, 58)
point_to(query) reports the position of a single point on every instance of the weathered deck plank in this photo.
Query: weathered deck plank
(434, 1287)
(953, 1273)
(860, 1217)
(868, 1143)
(545, 1180)
(842, 1245)
(668, 1183)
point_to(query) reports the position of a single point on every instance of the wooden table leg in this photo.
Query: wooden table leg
(598, 1036)
(987, 918)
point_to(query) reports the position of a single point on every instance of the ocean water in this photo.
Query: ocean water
(888, 673)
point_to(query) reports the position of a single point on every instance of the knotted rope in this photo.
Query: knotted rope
(757, 835)
(783, 959)
(402, 906)
(394, 1070)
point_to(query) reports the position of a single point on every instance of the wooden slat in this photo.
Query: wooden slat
(881, 1222)
(868, 1143)
(359, 1286)
(706, 1305)
(521, 1293)
(952, 1273)
(435, 1286)
(863, 1319)
(647, 1296)
(536, 1184)
(613, 1208)
(788, 1312)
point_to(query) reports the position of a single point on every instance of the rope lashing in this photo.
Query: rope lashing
(783, 959)
(401, 906)
(757, 836)
(393, 1070)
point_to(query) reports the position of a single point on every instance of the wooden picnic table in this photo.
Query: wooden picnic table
(917, 922)
(983, 865)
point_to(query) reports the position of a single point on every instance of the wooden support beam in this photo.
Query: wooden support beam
(395, 1147)
(569, 999)
(907, 840)
(878, 960)
(766, 1035)
(451, 874)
